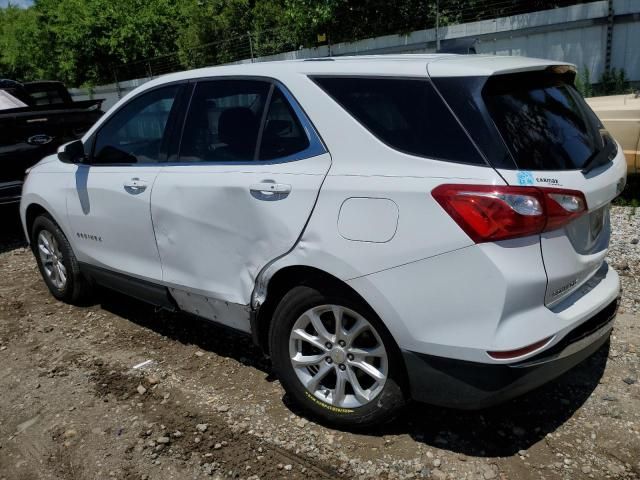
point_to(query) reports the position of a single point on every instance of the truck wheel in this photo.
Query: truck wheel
(336, 359)
(57, 263)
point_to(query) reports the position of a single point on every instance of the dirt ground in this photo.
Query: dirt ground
(72, 405)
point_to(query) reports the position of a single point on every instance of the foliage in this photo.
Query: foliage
(208, 22)
(20, 37)
(630, 196)
(613, 82)
(86, 42)
(583, 82)
(81, 41)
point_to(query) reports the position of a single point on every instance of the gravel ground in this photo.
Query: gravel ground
(72, 405)
(624, 254)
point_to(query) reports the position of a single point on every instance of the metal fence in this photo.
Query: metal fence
(257, 44)
(213, 53)
(594, 36)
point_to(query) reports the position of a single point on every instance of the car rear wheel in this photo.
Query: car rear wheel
(57, 263)
(335, 358)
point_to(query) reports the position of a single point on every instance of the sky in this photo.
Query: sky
(19, 3)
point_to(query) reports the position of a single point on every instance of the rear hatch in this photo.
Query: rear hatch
(535, 129)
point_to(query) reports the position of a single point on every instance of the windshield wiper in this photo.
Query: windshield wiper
(601, 157)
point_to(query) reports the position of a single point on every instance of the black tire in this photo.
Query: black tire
(382, 408)
(76, 289)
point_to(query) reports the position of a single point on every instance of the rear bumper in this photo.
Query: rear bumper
(10, 192)
(473, 385)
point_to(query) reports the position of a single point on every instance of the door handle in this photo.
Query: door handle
(269, 187)
(135, 186)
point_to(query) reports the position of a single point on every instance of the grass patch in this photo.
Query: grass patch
(630, 196)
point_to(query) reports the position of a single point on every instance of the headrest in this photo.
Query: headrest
(238, 128)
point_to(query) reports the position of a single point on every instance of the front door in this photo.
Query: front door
(109, 205)
(247, 177)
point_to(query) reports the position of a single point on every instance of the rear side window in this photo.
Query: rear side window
(407, 115)
(543, 120)
(283, 135)
(223, 122)
(47, 97)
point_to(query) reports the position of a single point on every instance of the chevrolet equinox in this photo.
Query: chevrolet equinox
(386, 227)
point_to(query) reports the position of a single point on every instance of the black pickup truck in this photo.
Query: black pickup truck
(35, 119)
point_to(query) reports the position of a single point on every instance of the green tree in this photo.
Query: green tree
(583, 82)
(81, 41)
(271, 28)
(213, 31)
(89, 41)
(21, 55)
(613, 82)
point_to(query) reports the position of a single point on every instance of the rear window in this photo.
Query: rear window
(408, 115)
(47, 97)
(543, 120)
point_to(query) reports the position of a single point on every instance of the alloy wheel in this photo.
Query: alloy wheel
(338, 356)
(52, 259)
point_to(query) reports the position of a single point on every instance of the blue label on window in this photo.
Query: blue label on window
(525, 178)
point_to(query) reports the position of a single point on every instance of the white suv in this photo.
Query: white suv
(417, 226)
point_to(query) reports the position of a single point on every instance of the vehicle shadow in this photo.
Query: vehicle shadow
(186, 329)
(11, 233)
(505, 429)
(499, 431)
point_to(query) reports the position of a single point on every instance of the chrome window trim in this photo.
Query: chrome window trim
(316, 144)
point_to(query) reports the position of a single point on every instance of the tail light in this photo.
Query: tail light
(488, 213)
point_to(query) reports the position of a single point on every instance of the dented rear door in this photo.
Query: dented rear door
(219, 218)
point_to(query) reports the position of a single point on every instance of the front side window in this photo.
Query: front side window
(406, 114)
(135, 133)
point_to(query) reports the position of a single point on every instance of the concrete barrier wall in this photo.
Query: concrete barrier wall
(576, 34)
(111, 93)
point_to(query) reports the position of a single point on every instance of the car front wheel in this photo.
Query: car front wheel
(57, 262)
(335, 358)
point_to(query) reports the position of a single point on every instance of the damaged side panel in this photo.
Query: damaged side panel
(216, 229)
(225, 313)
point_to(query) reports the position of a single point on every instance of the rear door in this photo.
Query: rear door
(239, 192)
(550, 138)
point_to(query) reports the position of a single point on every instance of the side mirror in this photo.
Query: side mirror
(72, 152)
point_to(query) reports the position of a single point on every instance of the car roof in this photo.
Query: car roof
(384, 65)
(404, 65)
